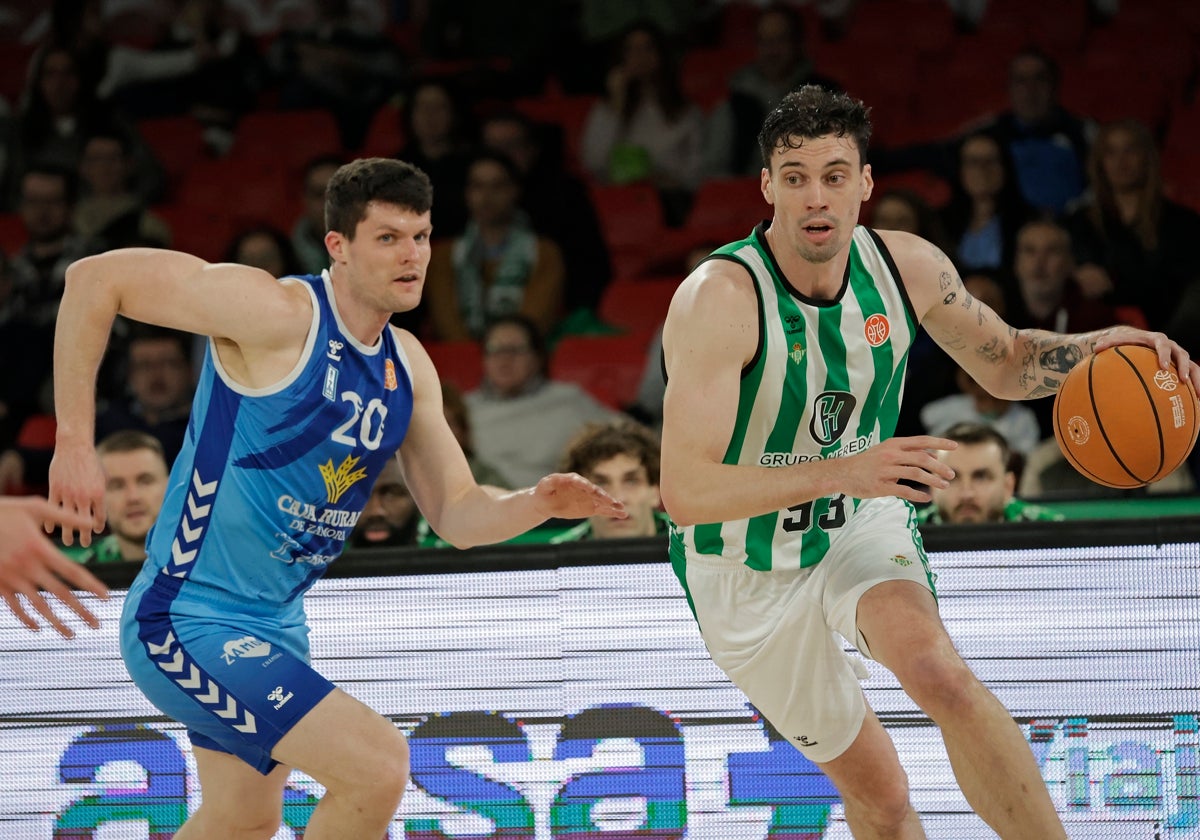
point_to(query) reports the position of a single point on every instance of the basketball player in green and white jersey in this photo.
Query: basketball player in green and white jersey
(785, 357)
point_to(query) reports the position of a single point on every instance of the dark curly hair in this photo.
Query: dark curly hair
(600, 441)
(812, 111)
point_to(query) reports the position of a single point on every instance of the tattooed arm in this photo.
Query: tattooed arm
(1011, 364)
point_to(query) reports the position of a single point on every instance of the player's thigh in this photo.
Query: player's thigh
(900, 623)
(869, 771)
(236, 793)
(342, 742)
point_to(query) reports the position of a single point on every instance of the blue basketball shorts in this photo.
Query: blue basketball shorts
(238, 682)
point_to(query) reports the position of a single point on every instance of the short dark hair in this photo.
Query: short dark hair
(130, 440)
(139, 331)
(362, 181)
(600, 441)
(533, 335)
(500, 159)
(971, 434)
(50, 169)
(812, 111)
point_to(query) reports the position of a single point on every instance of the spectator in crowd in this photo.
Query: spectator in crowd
(780, 64)
(1048, 144)
(390, 516)
(904, 209)
(204, 64)
(308, 235)
(438, 135)
(454, 406)
(1049, 475)
(557, 203)
(58, 112)
(1017, 423)
(1046, 294)
(46, 205)
(160, 383)
(333, 62)
(981, 490)
(986, 207)
(622, 458)
(521, 419)
(265, 247)
(20, 384)
(109, 213)
(1133, 246)
(645, 129)
(499, 265)
(931, 374)
(135, 481)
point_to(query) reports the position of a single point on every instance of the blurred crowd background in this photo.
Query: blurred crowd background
(585, 155)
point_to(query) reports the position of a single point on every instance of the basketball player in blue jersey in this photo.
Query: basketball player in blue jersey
(785, 355)
(31, 565)
(305, 393)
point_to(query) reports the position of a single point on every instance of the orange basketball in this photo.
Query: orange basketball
(1123, 421)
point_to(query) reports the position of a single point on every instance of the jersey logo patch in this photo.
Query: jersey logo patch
(877, 329)
(341, 479)
(796, 354)
(831, 416)
(389, 375)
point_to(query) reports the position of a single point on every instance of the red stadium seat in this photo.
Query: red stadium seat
(724, 202)
(568, 112)
(248, 192)
(385, 135)
(288, 138)
(705, 72)
(609, 367)
(638, 306)
(177, 143)
(12, 233)
(458, 362)
(203, 231)
(631, 221)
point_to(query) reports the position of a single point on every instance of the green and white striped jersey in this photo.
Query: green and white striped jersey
(825, 382)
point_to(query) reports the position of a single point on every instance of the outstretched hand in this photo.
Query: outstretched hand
(30, 564)
(571, 496)
(879, 470)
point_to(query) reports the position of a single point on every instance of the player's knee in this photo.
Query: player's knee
(942, 685)
(885, 807)
(259, 821)
(386, 770)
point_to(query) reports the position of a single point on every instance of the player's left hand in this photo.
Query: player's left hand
(1169, 352)
(571, 496)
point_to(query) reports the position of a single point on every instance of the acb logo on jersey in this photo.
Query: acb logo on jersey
(877, 329)
(389, 375)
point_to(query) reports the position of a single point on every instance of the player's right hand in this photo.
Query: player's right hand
(77, 486)
(879, 471)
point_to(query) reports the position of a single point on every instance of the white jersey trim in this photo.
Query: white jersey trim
(366, 350)
(293, 374)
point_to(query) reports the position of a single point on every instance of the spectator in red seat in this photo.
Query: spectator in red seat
(109, 212)
(780, 64)
(644, 128)
(308, 234)
(558, 205)
(499, 265)
(521, 419)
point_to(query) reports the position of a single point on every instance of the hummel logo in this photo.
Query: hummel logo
(279, 697)
(335, 347)
(792, 321)
(804, 742)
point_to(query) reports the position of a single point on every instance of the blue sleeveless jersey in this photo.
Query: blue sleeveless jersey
(270, 482)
